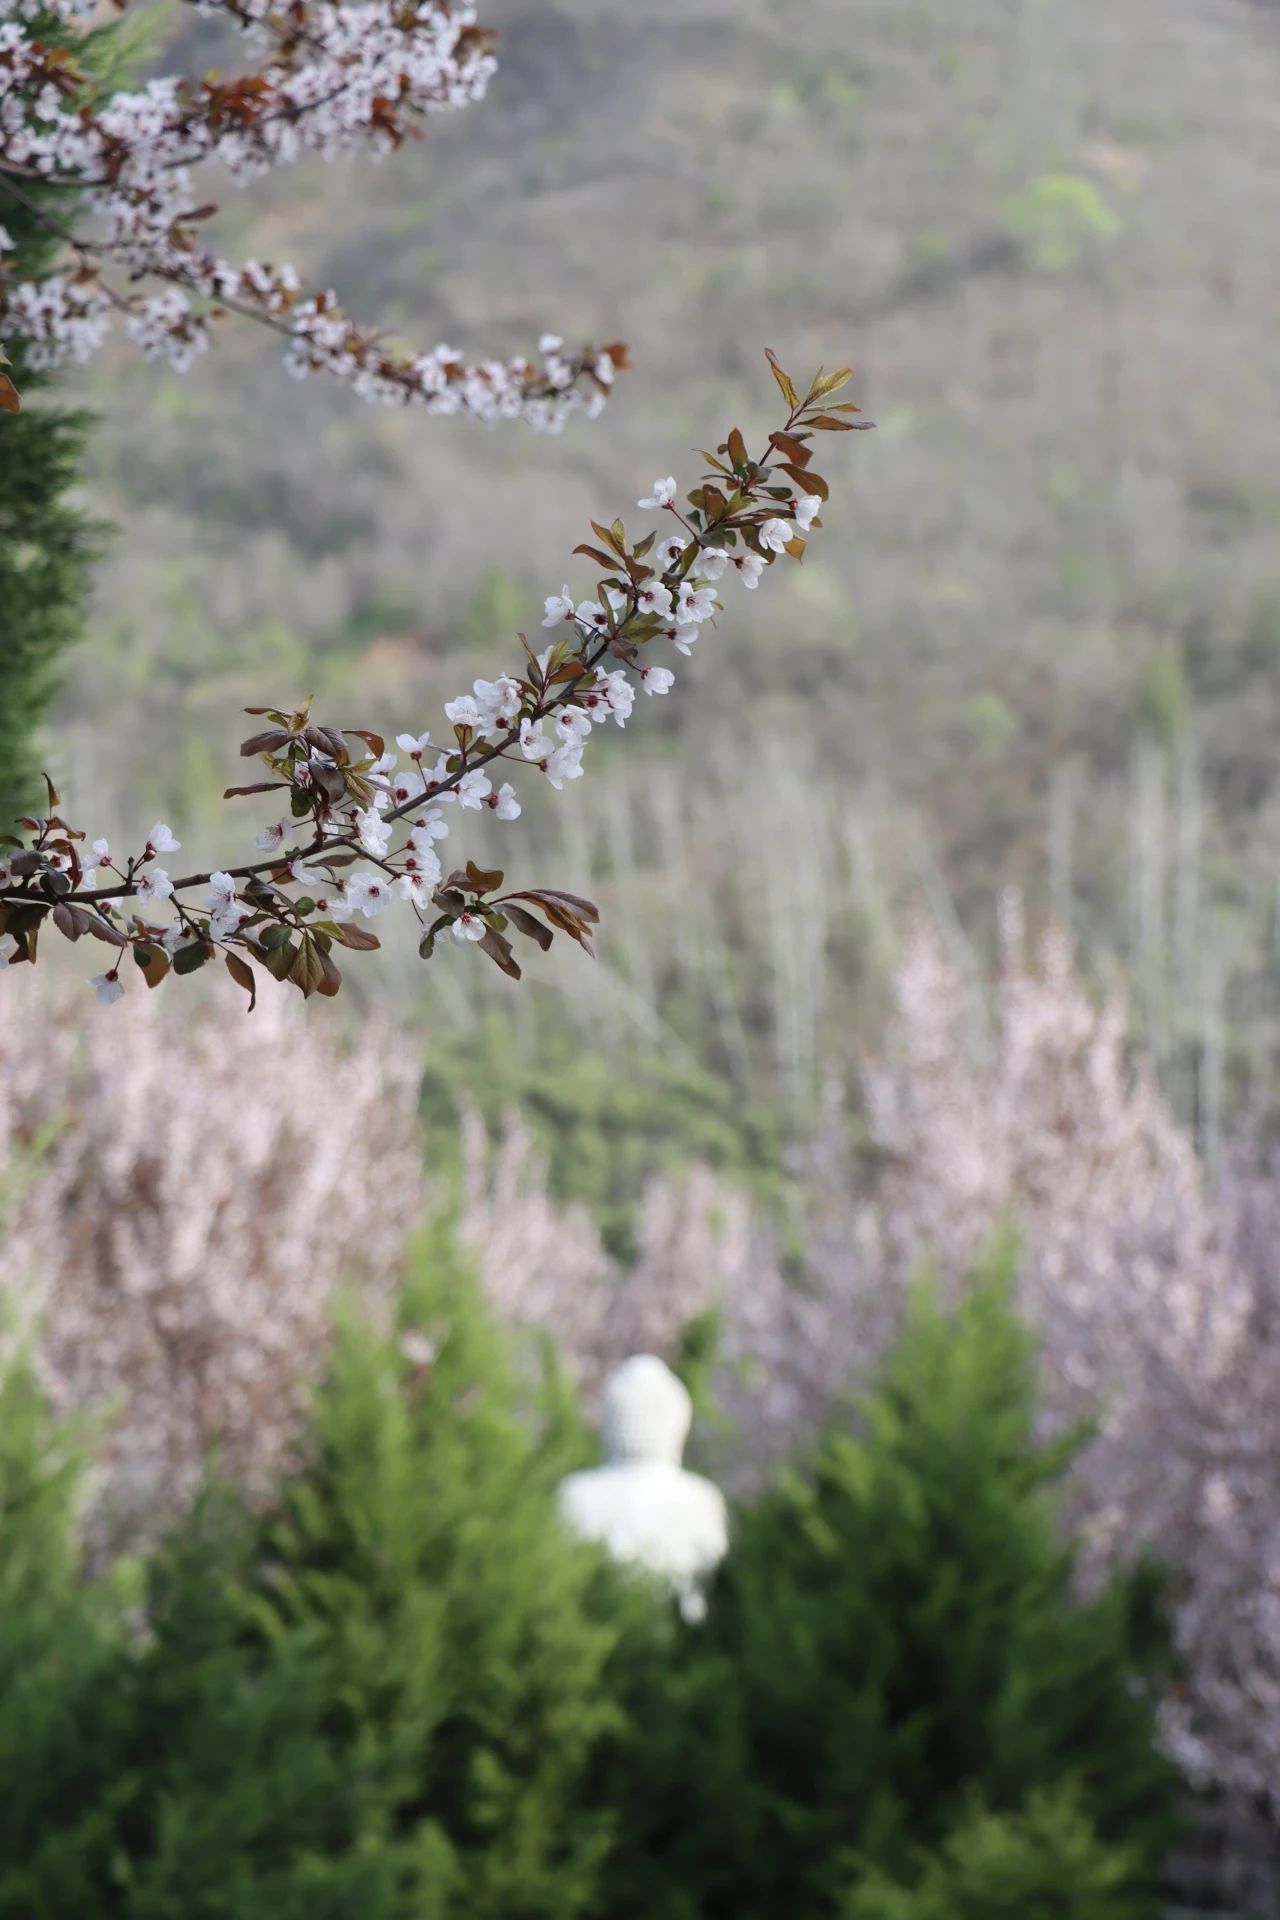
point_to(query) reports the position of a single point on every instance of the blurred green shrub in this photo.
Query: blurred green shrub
(65, 1714)
(405, 1695)
(1058, 217)
(380, 1701)
(1046, 1864)
(604, 1134)
(894, 1641)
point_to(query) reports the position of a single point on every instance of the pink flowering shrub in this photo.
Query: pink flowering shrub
(1156, 1296)
(182, 1199)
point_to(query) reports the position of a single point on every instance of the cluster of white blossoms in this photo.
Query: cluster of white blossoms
(365, 824)
(330, 79)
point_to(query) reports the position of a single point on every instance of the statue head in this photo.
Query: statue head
(647, 1412)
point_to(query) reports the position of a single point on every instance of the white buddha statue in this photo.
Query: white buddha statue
(641, 1505)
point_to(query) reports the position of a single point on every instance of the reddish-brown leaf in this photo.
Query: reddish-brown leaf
(356, 938)
(153, 960)
(269, 742)
(527, 925)
(499, 951)
(242, 973)
(795, 450)
(374, 741)
(807, 482)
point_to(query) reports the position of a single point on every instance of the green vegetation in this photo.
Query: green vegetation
(46, 542)
(895, 1681)
(379, 1701)
(1058, 217)
(1046, 1864)
(404, 1693)
(603, 1133)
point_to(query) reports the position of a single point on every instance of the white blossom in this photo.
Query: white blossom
(504, 802)
(712, 562)
(154, 885)
(664, 492)
(656, 679)
(221, 893)
(750, 566)
(653, 597)
(161, 840)
(468, 926)
(806, 507)
(107, 987)
(373, 832)
(98, 854)
(774, 535)
(463, 711)
(474, 789)
(417, 886)
(534, 744)
(564, 764)
(366, 893)
(499, 704)
(404, 787)
(572, 723)
(414, 744)
(592, 616)
(694, 604)
(270, 837)
(427, 828)
(558, 607)
(619, 695)
(225, 920)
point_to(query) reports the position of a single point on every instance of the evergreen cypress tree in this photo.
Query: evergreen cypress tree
(46, 541)
(1046, 1864)
(242, 1801)
(893, 1643)
(64, 1707)
(423, 1551)
(381, 1702)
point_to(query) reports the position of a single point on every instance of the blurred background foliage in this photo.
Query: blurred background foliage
(1038, 643)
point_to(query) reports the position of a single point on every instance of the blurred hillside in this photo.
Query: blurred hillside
(1040, 641)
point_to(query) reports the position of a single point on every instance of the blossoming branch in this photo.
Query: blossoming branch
(362, 826)
(328, 79)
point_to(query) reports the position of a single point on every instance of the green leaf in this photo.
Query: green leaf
(828, 383)
(191, 958)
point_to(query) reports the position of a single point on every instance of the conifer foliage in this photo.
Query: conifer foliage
(381, 1702)
(893, 1653)
(46, 543)
(405, 1694)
